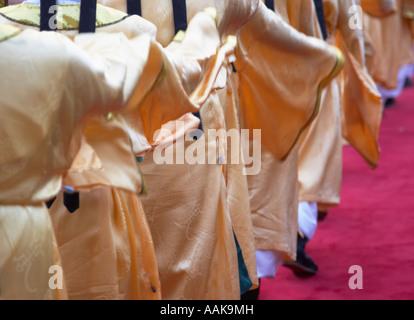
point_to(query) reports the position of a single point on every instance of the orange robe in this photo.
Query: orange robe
(235, 188)
(232, 16)
(391, 52)
(361, 105)
(270, 100)
(120, 227)
(320, 145)
(36, 152)
(191, 224)
(357, 107)
(132, 245)
(238, 202)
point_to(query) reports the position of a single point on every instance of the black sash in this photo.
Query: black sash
(321, 17)
(270, 4)
(70, 200)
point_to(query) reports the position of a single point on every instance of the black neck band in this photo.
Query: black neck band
(47, 11)
(87, 21)
(321, 17)
(134, 7)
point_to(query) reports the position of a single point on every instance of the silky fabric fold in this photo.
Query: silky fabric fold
(320, 145)
(36, 153)
(391, 53)
(257, 100)
(105, 149)
(361, 104)
(231, 16)
(189, 215)
(274, 201)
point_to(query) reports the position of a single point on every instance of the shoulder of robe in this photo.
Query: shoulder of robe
(67, 15)
(379, 8)
(408, 9)
(7, 32)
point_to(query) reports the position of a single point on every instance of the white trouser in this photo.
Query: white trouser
(404, 73)
(268, 262)
(308, 218)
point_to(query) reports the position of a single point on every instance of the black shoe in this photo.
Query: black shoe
(252, 295)
(408, 83)
(304, 266)
(322, 215)
(390, 102)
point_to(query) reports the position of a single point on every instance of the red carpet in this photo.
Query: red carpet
(373, 228)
